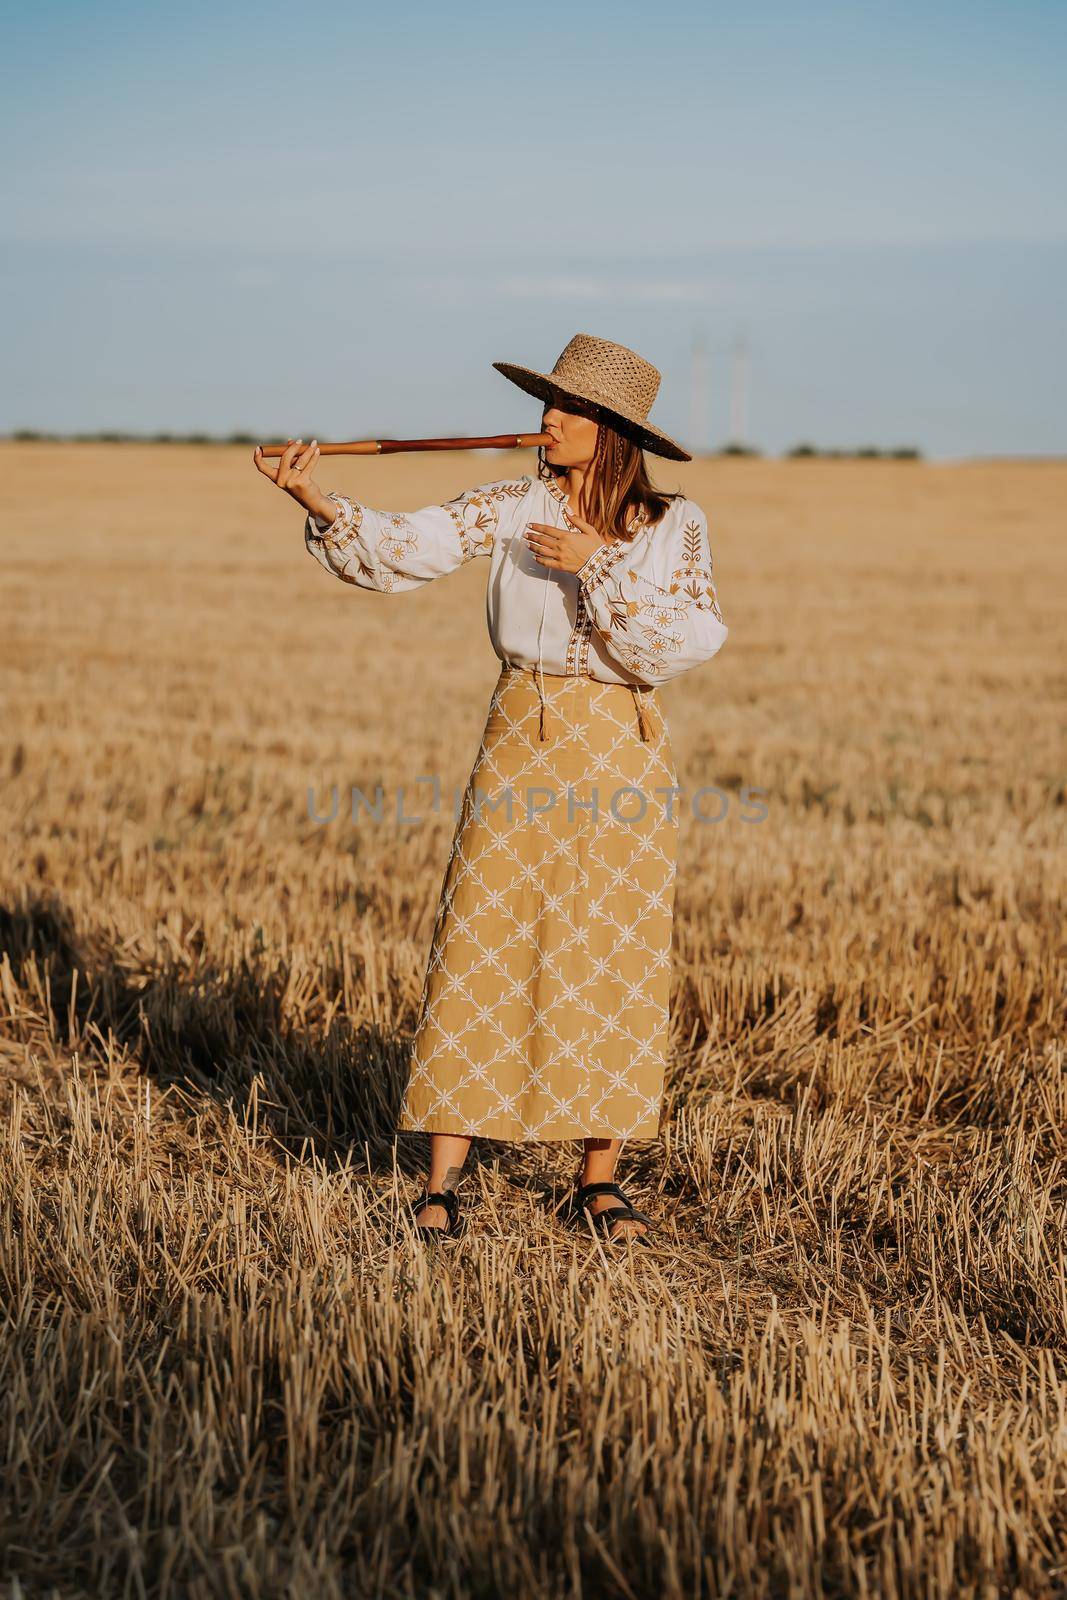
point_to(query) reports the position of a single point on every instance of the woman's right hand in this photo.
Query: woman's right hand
(293, 474)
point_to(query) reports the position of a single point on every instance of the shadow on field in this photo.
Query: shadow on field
(335, 1091)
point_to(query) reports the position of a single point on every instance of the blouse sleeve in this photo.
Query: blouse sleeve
(392, 551)
(656, 609)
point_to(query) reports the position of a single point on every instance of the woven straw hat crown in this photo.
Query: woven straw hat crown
(607, 375)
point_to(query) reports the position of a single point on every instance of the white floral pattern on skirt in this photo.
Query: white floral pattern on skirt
(544, 1012)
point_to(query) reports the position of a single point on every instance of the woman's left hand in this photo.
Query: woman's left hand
(564, 549)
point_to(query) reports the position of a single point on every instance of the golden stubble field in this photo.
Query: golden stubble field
(227, 1368)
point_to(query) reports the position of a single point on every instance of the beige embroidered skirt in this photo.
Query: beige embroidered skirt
(545, 1005)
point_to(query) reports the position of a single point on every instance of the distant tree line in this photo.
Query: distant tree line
(799, 452)
(802, 452)
(865, 452)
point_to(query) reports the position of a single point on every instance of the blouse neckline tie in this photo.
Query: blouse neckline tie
(642, 721)
(543, 733)
(543, 720)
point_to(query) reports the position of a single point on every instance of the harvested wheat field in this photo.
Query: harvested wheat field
(229, 1370)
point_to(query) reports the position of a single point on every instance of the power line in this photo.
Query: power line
(736, 362)
(698, 393)
(739, 388)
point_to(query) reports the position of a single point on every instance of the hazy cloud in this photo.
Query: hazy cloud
(580, 286)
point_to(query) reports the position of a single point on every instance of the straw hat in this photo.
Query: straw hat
(610, 377)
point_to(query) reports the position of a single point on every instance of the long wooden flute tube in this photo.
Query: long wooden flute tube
(388, 447)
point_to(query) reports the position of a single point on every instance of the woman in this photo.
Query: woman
(545, 1006)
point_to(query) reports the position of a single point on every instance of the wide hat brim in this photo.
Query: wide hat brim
(545, 387)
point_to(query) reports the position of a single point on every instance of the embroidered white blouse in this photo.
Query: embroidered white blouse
(637, 612)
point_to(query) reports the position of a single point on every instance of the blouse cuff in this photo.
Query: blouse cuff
(332, 531)
(599, 564)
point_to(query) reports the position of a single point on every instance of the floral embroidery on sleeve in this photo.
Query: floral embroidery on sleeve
(339, 543)
(476, 514)
(392, 551)
(656, 631)
(693, 574)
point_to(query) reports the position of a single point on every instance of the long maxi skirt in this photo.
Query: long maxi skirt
(544, 1011)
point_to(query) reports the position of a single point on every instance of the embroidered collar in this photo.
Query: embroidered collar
(635, 524)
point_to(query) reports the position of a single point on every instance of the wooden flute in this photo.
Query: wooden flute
(388, 447)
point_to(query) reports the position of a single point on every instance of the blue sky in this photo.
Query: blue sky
(334, 218)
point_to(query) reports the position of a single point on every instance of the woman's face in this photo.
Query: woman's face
(575, 437)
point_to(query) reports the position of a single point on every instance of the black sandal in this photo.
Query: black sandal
(438, 1197)
(604, 1221)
